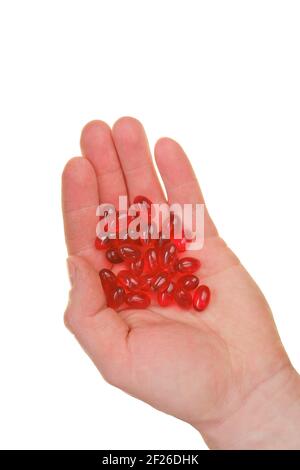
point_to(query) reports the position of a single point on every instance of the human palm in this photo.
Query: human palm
(198, 366)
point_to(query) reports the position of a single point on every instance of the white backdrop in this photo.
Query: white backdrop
(220, 77)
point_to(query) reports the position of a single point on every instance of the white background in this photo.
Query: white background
(223, 78)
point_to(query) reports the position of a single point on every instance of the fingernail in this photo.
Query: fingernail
(71, 271)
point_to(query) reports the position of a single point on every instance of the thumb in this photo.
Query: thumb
(86, 295)
(99, 329)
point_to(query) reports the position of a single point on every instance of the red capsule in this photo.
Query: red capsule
(102, 243)
(123, 221)
(122, 237)
(113, 256)
(145, 281)
(137, 267)
(151, 260)
(201, 298)
(137, 300)
(167, 255)
(133, 235)
(187, 265)
(145, 236)
(107, 278)
(188, 282)
(148, 233)
(143, 200)
(160, 281)
(115, 297)
(161, 241)
(129, 252)
(180, 244)
(171, 268)
(166, 296)
(128, 280)
(183, 298)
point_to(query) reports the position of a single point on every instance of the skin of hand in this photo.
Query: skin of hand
(223, 370)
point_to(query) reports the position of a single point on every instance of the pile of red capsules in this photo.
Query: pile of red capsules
(152, 268)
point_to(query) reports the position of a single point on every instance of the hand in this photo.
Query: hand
(223, 370)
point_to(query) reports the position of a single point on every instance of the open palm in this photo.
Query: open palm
(200, 367)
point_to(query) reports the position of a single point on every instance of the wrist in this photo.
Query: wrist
(268, 419)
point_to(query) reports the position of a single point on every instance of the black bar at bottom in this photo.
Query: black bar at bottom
(137, 458)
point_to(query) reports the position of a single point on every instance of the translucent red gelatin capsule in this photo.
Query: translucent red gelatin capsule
(132, 235)
(165, 297)
(102, 243)
(188, 282)
(122, 237)
(130, 218)
(128, 280)
(161, 241)
(145, 281)
(201, 298)
(113, 256)
(183, 298)
(147, 233)
(143, 200)
(129, 252)
(151, 259)
(187, 265)
(137, 300)
(171, 268)
(180, 244)
(123, 221)
(137, 267)
(167, 255)
(107, 278)
(115, 297)
(160, 281)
